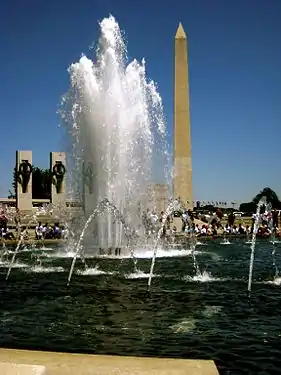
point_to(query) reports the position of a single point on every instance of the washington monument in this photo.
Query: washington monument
(182, 138)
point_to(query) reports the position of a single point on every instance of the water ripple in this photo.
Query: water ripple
(107, 308)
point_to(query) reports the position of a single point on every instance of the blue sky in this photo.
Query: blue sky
(235, 80)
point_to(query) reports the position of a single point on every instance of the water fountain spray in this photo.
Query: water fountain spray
(117, 136)
(262, 202)
(104, 205)
(273, 242)
(169, 211)
(175, 205)
(21, 239)
(193, 248)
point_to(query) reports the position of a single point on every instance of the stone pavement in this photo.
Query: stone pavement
(83, 364)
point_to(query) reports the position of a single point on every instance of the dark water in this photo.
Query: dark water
(180, 317)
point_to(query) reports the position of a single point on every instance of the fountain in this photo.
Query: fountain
(273, 241)
(169, 211)
(129, 233)
(32, 218)
(175, 205)
(262, 202)
(114, 117)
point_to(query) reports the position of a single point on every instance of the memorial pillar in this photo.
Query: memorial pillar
(58, 189)
(24, 181)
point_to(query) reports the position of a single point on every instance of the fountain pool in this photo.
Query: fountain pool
(107, 308)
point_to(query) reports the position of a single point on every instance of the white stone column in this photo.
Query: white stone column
(24, 181)
(58, 189)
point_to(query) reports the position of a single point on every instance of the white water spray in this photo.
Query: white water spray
(14, 256)
(175, 205)
(169, 211)
(273, 242)
(114, 116)
(21, 240)
(193, 249)
(262, 202)
(112, 210)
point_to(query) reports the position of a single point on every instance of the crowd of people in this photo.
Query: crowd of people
(47, 232)
(190, 223)
(267, 224)
(42, 232)
(196, 224)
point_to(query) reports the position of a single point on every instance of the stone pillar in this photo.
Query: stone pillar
(182, 137)
(24, 181)
(58, 168)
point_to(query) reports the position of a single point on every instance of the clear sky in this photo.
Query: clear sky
(235, 80)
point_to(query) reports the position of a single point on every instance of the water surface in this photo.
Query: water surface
(107, 309)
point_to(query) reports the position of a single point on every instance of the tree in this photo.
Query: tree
(12, 194)
(248, 207)
(209, 207)
(267, 192)
(41, 183)
(270, 195)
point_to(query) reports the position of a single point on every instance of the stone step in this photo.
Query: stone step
(83, 364)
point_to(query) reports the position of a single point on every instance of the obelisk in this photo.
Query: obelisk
(182, 137)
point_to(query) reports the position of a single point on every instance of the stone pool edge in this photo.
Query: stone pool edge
(58, 363)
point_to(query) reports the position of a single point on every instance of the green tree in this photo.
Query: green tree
(267, 192)
(41, 183)
(248, 207)
(270, 195)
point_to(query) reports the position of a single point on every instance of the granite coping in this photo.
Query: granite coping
(84, 364)
(19, 369)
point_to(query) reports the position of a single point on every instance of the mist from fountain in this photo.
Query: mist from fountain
(33, 218)
(262, 202)
(114, 118)
(175, 205)
(47, 209)
(104, 205)
(273, 242)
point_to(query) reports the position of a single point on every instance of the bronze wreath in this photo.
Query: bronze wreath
(25, 169)
(59, 170)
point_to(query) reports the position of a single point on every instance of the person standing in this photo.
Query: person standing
(231, 219)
